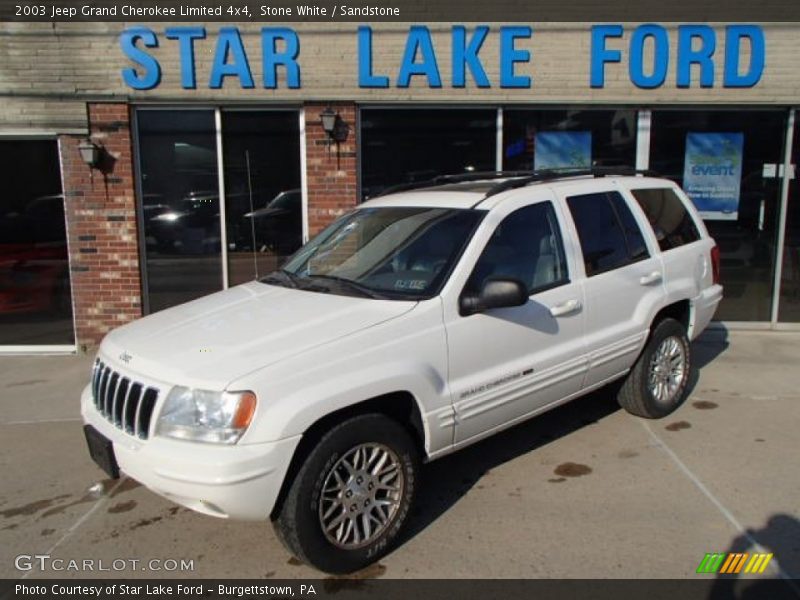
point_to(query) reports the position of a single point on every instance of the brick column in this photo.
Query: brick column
(332, 181)
(101, 226)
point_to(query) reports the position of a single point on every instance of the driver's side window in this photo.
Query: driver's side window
(526, 246)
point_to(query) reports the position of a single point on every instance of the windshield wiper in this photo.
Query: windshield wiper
(286, 277)
(353, 285)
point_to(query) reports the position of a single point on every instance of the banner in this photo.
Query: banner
(562, 150)
(712, 173)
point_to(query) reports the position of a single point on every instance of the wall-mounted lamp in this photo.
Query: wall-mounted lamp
(334, 126)
(91, 153)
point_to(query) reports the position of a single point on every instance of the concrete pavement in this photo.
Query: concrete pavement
(585, 491)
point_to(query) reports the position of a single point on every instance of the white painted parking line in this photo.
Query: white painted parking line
(774, 564)
(39, 421)
(74, 527)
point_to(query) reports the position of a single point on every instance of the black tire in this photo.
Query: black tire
(298, 524)
(635, 394)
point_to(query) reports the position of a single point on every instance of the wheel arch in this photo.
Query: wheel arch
(401, 406)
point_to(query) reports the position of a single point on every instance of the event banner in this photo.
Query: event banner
(712, 173)
(562, 150)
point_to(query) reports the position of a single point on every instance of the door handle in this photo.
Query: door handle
(650, 278)
(570, 306)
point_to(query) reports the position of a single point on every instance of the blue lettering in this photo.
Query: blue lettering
(734, 34)
(151, 76)
(509, 56)
(688, 56)
(466, 55)
(601, 55)
(186, 37)
(271, 58)
(660, 56)
(230, 43)
(365, 77)
(419, 39)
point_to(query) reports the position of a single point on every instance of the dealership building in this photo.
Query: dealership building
(148, 164)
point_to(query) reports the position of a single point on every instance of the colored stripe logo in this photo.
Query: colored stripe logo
(734, 563)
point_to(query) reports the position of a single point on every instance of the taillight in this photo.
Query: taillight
(715, 263)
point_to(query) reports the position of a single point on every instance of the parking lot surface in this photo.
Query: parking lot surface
(585, 491)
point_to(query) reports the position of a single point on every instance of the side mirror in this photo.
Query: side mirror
(496, 293)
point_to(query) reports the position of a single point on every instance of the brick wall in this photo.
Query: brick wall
(332, 178)
(101, 226)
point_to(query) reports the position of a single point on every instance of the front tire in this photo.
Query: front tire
(657, 383)
(352, 495)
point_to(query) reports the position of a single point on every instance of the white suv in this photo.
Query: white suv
(413, 326)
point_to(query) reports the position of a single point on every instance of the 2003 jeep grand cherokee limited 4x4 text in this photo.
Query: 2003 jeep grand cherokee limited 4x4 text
(413, 326)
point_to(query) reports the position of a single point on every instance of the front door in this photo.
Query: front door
(506, 364)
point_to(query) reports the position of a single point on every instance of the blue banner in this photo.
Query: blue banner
(562, 150)
(712, 173)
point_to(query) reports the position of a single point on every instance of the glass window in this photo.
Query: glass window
(180, 205)
(263, 202)
(546, 139)
(672, 223)
(409, 145)
(390, 252)
(526, 246)
(609, 235)
(35, 294)
(736, 148)
(789, 303)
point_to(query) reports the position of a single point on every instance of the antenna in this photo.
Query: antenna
(252, 216)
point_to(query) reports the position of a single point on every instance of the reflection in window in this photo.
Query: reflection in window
(608, 233)
(180, 208)
(672, 223)
(35, 295)
(263, 202)
(546, 139)
(526, 246)
(409, 145)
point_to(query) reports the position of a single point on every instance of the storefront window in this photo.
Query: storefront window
(725, 160)
(263, 202)
(789, 301)
(35, 296)
(180, 205)
(557, 139)
(408, 145)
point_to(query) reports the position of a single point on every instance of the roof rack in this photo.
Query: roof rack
(551, 174)
(452, 178)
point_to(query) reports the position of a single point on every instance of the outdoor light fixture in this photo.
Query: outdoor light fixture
(90, 152)
(334, 126)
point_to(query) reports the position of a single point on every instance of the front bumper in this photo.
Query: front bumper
(239, 481)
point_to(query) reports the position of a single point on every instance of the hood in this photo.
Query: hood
(212, 341)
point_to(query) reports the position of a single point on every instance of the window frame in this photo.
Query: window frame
(647, 236)
(559, 234)
(687, 212)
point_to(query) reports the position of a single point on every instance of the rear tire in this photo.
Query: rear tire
(352, 495)
(657, 383)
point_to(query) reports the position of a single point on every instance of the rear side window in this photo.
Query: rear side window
(609, 235)
(672, 223)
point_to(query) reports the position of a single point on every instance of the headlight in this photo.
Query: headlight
(204, 416)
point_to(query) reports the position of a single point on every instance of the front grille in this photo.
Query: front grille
(126, 403)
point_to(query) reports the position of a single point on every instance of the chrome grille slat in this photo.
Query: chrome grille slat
(126, 403)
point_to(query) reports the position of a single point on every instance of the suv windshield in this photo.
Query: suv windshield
(392, 252)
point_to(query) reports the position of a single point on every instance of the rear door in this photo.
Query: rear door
(623, 276)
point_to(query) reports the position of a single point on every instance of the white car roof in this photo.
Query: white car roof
(472, 194)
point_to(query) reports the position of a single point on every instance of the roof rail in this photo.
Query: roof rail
(551, 174)
(450, 178)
